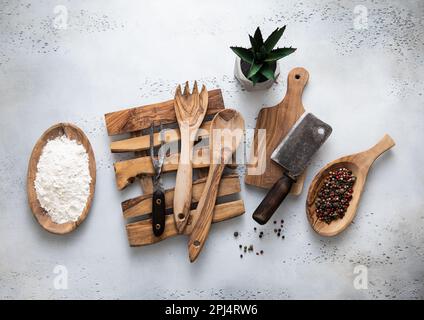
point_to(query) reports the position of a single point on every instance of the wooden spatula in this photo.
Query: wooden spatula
(226, 132)
(190, 110)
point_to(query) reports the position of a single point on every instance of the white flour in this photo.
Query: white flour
(63, 179)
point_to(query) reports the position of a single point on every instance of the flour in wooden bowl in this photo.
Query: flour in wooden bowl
(62, 182)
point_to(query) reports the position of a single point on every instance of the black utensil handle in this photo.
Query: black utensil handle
(158, 212)
(273, 199)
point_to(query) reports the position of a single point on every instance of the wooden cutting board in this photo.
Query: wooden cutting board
(277, 121)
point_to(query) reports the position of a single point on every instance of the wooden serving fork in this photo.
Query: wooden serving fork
(190, 110)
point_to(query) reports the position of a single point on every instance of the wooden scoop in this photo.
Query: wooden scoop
(359, 164)
(74, 133)
(190, 110)
(226, 132)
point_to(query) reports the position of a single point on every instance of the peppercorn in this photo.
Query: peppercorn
(335, 194)
(241, 256)
(262, 252)
(236, 234)
(240, 246)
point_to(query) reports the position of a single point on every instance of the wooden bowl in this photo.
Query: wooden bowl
(359, 164)
(74, 133)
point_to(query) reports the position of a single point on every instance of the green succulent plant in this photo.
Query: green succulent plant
(262, 57)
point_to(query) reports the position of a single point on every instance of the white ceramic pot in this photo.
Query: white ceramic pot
(247, 84)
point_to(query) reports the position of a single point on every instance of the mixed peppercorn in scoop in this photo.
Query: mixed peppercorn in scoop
(335, 195)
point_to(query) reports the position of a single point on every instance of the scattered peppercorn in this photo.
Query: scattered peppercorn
(262, 252)
(335, 195)
(240, 246)
(241, 256)
(254, 228)
(236, 234)
(275, 221)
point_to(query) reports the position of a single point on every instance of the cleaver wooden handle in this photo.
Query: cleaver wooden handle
(273, 199)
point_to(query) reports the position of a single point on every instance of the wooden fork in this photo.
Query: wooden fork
(190, 110)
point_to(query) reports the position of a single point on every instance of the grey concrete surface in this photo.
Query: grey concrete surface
(365, 80)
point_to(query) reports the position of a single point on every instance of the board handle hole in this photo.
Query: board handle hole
(297, 76)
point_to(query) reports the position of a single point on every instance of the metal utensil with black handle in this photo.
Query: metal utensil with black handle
(158, 198)
(293, 154)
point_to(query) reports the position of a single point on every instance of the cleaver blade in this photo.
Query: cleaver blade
(293, 154)
(295, 151)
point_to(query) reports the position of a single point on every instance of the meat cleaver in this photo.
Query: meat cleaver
(293, 154)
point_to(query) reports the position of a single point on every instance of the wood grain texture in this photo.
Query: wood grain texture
(140, 233)
(74, 133)
(231, 124)
(190, 110)
(277, 121)
(146, 182)
(142, 205)
(142, 142)
(126, 171)
(139, 118)
(360, 164)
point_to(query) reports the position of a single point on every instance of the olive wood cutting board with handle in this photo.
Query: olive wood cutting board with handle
(277, 121)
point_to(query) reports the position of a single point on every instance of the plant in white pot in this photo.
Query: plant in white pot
(257, 68)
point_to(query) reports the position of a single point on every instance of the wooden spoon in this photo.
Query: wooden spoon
(359, 164)
(74, 133)
(190, 110)
(226, 132)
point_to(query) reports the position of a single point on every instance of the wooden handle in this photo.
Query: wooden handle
(184, 181)
(205, 212)
(158, 212)
(382, 146)
(273, 199)
(296, 82)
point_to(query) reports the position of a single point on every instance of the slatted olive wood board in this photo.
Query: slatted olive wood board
(277, 121)
(134, 121)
